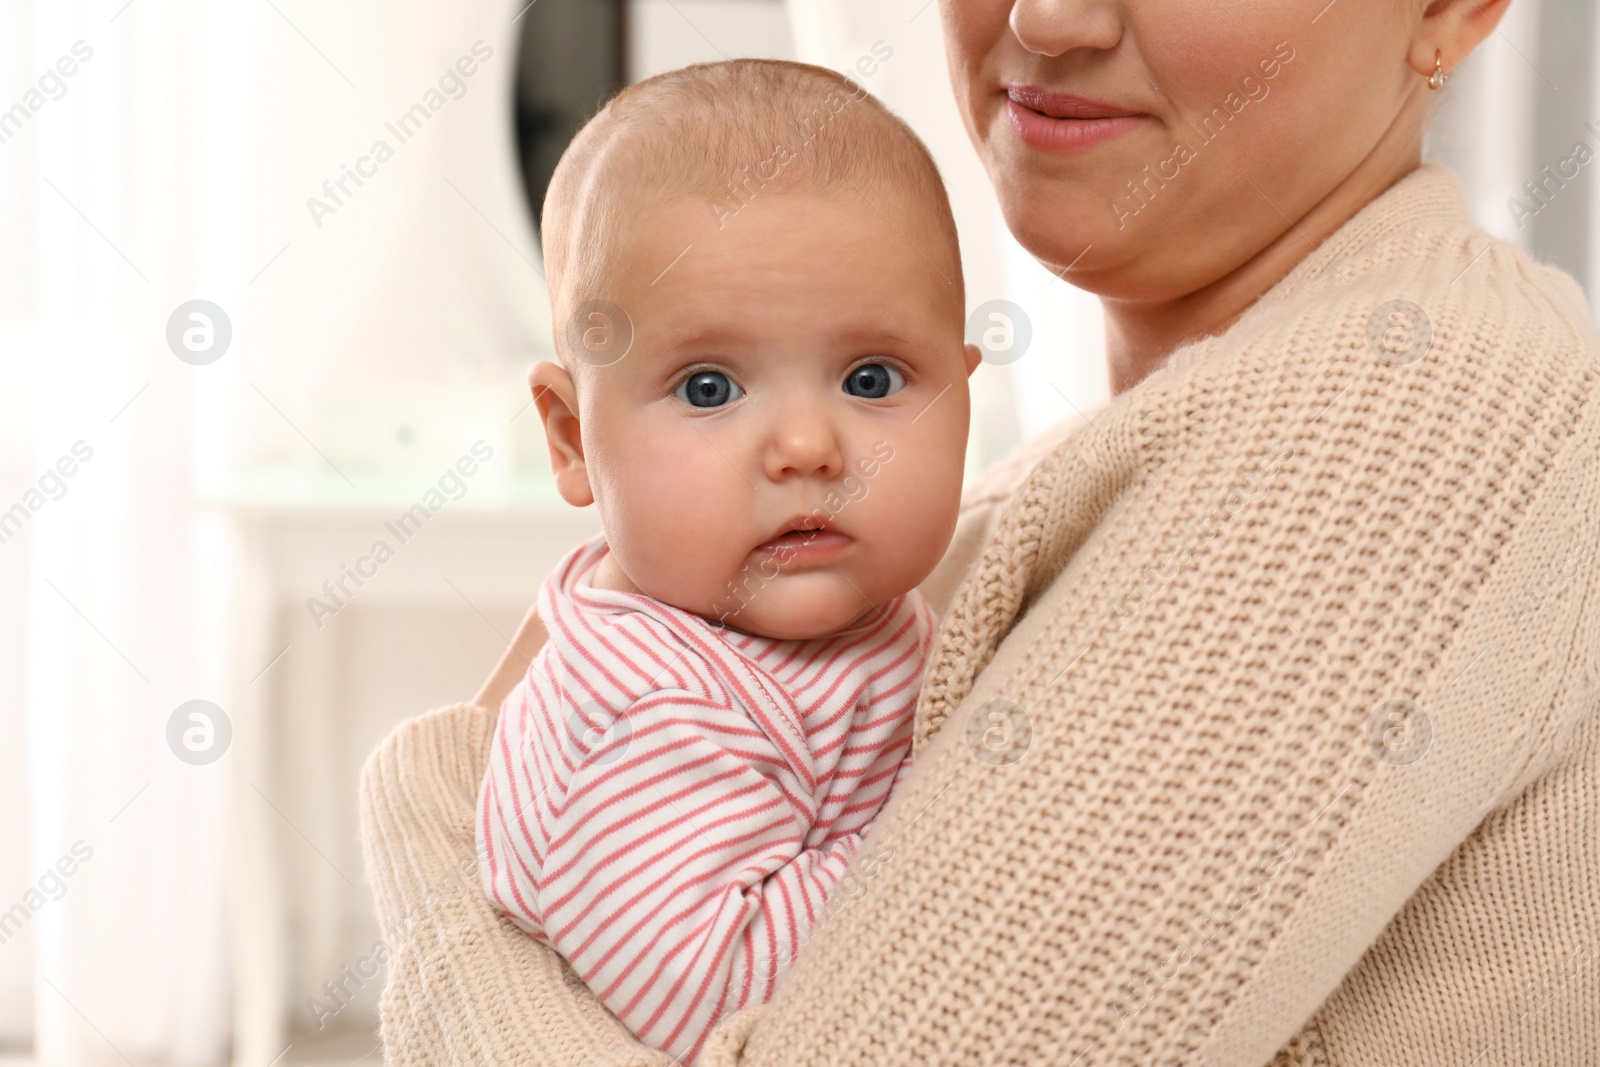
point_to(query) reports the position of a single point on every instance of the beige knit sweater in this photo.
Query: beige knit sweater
(1264, 725)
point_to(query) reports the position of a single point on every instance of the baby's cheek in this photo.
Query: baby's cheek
(912, 503)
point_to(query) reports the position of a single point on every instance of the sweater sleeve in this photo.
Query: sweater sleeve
(464, 985)
(677, 878)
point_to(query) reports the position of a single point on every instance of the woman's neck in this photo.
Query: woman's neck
(1140, 335)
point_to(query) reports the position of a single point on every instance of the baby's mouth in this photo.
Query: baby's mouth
(813, 542)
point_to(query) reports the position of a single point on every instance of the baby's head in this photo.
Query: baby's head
(758, 304)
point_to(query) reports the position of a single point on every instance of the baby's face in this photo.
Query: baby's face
(802, 365)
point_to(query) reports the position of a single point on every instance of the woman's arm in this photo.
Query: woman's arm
(464, 986)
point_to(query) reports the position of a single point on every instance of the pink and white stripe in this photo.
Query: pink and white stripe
(669, 803)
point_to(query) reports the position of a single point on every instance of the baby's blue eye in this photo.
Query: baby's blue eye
(874, 381)
(708, 389)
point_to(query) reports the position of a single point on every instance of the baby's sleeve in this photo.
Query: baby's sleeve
(513, 795)
(675, 879)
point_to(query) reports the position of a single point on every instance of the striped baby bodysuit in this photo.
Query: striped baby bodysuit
(669, 802)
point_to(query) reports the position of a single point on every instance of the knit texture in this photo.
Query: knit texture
(1264, 728)
(672, 803)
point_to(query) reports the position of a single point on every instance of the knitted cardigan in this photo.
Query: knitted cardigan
(1263, 726)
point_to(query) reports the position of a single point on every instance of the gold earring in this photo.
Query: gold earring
(1437, 79)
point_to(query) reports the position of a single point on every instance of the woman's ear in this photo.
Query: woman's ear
(1450, 30)
(556, 396)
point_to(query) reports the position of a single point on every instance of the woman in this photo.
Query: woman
(1265, 721)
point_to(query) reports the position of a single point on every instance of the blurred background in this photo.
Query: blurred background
(269, 479)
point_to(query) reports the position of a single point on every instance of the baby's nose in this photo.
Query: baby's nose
(803, 442)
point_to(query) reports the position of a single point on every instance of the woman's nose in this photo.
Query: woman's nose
(1054, 27)
(802, 443)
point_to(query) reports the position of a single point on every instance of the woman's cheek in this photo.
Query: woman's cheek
(973, 27)
(1200, 53)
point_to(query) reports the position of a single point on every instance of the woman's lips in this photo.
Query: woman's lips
(805, 546)
(1062, 122)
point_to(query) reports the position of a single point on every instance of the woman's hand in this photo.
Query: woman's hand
(514, 662)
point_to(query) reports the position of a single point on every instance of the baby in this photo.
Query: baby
(759, 311)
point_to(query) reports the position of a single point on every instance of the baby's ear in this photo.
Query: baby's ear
(556, 397)
(974, 357)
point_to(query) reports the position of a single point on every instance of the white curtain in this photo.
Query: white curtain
(173, 163)
(1525, 109)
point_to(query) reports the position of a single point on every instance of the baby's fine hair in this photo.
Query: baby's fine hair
(730, 132)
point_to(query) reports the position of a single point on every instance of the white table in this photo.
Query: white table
(298, 528)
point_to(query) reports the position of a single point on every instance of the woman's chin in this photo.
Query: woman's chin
(1086, 248)
(1080, 235)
